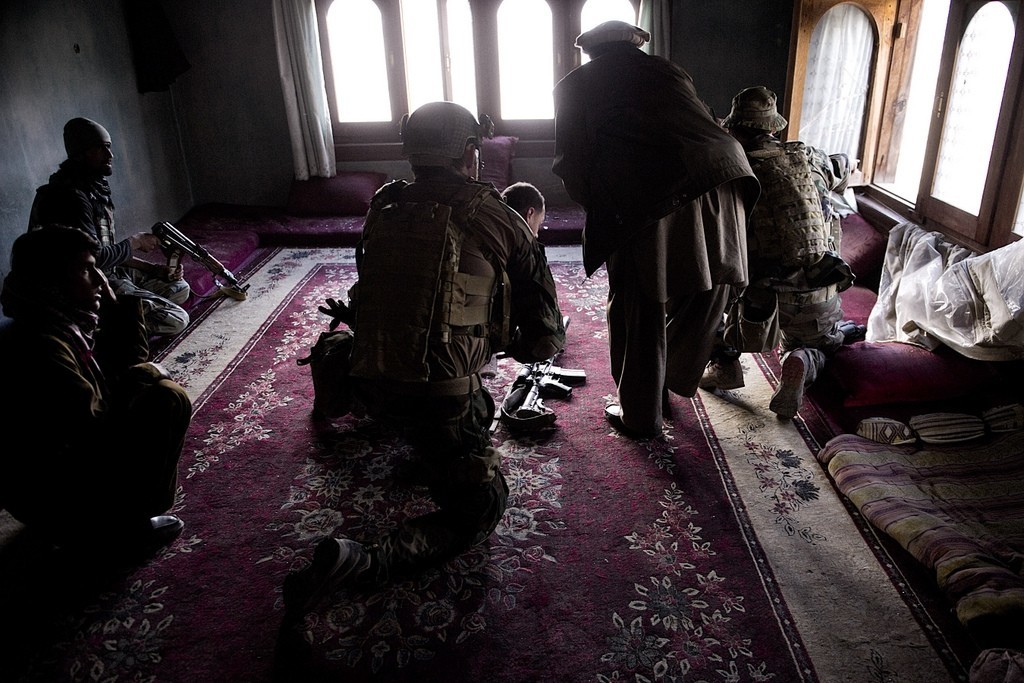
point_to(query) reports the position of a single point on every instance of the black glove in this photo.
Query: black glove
(339, 312)
(852, 332)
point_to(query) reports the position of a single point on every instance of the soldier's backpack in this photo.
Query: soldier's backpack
(789, 225)
(330, 364)
(411, 294)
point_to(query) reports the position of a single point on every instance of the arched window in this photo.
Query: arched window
(438, 41)
(356, 36)
(969, 127)
(525, 60)
(945, 102)
(901, 159)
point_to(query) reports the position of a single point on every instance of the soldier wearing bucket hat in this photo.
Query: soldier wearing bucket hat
(78, 195)
(755, 108)
(666, 192)
(793, 235)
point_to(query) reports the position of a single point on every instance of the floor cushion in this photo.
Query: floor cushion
(346, 194)
(496, 156)
(877, 373)
(863, 248)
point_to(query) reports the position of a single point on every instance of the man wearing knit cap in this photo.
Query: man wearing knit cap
(794, 265)
(78, 195)
(666, 191)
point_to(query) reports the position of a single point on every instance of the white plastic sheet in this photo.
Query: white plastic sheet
(935, 292)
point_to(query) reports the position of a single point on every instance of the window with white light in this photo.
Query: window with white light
(942, 103)
(356, 34)
(383, 58)
(525, 60)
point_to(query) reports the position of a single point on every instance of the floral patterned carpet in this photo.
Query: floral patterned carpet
(719, 553)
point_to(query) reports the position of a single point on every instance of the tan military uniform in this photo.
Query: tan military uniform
(790, 232)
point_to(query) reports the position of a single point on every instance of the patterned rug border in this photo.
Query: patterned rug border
(956, 659)
(753, 543)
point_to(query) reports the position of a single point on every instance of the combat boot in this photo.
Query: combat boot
(336, 562)
(722, 374)
(789, 395)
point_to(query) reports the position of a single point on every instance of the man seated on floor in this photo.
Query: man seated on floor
(93, 433)
(416, 363)
(78, 195)
(528, 202)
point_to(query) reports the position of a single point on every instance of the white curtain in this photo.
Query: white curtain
(305, 94)
(656, 19)
(837, 80)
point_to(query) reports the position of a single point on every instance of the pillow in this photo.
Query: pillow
(1007, 418)
(863, 248)
(885, 430)
(879, 373)
(346, 194)
(940, 428)
(496, 157)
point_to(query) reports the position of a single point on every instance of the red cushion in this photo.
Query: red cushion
(346, 194)
(863, 247)
(857, 303)
(878, 373)
(496, 154)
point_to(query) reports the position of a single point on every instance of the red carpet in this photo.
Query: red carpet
(616, 561)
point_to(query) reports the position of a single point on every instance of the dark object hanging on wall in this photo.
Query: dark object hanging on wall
(156, 53)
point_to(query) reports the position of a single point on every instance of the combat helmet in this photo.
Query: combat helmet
(438, 132)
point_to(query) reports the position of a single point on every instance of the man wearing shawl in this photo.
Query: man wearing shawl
(667, 192)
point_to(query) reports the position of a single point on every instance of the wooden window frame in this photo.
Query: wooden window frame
(379, 140)
(806, 15)
(993, 227)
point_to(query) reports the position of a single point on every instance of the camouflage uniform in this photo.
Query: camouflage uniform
(809, 311)
(447, 417)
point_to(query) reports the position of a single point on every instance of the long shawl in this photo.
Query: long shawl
(633, 143)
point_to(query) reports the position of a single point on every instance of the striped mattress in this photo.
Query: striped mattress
(958, 509)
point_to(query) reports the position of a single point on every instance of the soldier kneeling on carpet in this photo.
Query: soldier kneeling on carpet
(448, 276)
(793, 244)
(93, 431)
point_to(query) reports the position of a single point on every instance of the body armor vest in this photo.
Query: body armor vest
(411, 294)
(788, 224)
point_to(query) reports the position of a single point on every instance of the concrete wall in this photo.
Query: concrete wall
(233, 123)
(727, 46)
(65, 58)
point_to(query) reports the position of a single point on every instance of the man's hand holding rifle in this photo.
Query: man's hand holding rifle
(175, 244)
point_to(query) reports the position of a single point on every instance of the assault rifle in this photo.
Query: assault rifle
(523, 408)
(175, 244)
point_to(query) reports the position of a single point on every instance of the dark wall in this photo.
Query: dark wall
(65, 58)
(233, 122)
(727, 45)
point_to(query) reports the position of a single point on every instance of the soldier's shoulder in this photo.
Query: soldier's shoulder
(388, 193)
